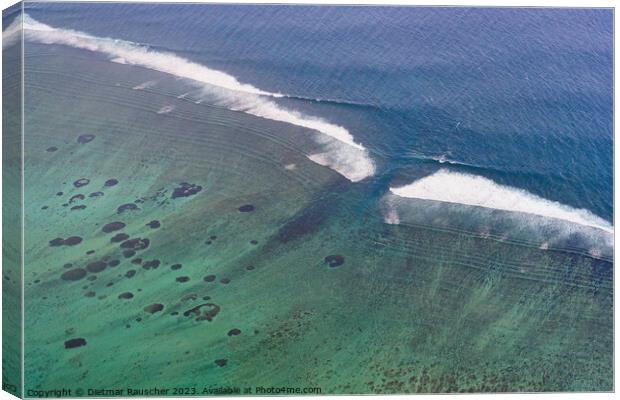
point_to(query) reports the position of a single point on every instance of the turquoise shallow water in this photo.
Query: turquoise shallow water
(181, 236)
(434, 311)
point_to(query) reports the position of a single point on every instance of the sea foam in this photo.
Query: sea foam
(473, 190)
(340, 151)
(13, 33)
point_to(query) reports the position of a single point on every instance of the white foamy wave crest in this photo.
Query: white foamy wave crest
(342, 153)
(472, 190)
(352, 163)
(13, 33)
(132, 53)
(265, 108)
(119, 60)
(339, 150)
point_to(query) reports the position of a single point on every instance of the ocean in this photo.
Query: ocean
(432, 185)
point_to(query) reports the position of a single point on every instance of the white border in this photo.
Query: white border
(457, 3)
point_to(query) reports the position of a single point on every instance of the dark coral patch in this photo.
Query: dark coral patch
(152, 264)
(182, 279)
(129, 253)
(90, 294)
(249, 267)
(126, 207)
(254, 242)
(113, 226)
(73, 343)
(95, 194)
(202, 313)
(185, 190)
(59, 193)
(51, 149)
(209, 278)
(234, 332)
(334, 260)
(175, 267)
(119, 237)
(130, 273)
(154, 224)
(136, 261)
(225, 281)
(72, 241)
(110, 182)
(221, 362)
(89, 252)
(81, 182)
(76, 197)
(96, 266)
(80, 207)
(57, 242)
(125, 296)
(153, 308)
(113, 263)
(83, 139)
(246, 208)
(73, 274)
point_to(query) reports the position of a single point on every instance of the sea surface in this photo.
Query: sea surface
(432, 185)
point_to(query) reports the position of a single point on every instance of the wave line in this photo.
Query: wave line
(473, 190)
(340, 151)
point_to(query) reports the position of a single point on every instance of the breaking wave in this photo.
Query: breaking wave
(341, 152)
(13, 33)
(474, 204)
(473, 190)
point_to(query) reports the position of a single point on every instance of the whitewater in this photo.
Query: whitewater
(340, 151)
(473, 190)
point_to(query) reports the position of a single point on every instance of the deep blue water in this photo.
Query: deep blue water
(522, 96)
